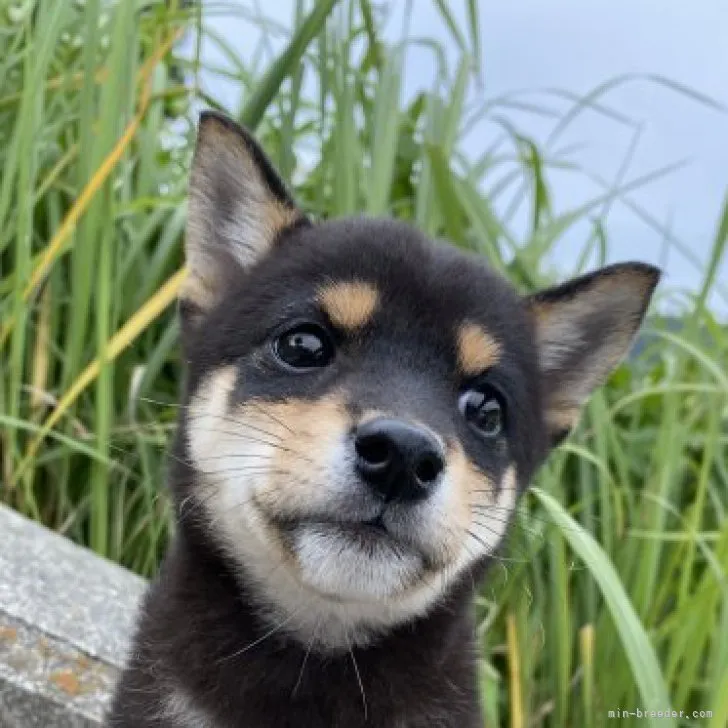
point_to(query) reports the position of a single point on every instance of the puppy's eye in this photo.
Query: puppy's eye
(482, 408)
(305, 346)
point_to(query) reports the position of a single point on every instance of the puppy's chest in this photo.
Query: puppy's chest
(337, 699)
(296, 714)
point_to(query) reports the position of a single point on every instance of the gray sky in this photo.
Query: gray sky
(575, 45)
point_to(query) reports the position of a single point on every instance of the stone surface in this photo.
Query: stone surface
(66, 617)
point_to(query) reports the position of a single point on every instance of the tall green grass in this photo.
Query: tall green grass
(614, 593)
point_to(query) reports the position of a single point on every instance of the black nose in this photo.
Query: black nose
(399, 461)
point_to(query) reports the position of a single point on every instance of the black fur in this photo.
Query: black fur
(197, 617)
(200, 628)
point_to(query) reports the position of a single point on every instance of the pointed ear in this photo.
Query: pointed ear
(237, 208)
(584, 329)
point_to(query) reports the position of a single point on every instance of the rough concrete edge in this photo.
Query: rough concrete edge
(66, 616)
(46, 682)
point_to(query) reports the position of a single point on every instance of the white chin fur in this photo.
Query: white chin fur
(349, 568)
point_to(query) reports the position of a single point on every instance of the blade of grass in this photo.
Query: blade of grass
(636, 644)
(286, 63)
(117, 343)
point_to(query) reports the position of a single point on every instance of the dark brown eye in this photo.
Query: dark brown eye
(481, 407)
(305, 346)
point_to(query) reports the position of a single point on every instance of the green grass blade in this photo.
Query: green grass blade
(637, 646)
(286, 63)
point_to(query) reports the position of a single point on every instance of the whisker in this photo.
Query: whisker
(195, 414)
(524, 529)
(358, 679)
(305, 658)
(175, 405)
(264, 637)
(240, 434)
(270, 415)
(526, 545)
(545, 520)
(265, 456)
(489, 549)
(250, 403)
(236, 456)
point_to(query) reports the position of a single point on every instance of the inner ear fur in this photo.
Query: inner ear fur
(237, 208)
(584, 328)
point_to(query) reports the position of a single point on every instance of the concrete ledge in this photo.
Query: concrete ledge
(66, 616)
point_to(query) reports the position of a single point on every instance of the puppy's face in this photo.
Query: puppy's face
(364, 406)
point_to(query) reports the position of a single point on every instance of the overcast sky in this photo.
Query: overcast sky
(575, 45)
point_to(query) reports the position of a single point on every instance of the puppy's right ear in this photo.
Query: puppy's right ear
(584, 328)
(238, 206)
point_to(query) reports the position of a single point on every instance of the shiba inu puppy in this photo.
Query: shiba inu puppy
(363, 408)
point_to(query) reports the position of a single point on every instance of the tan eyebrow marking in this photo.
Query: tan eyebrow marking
(349, 304)
(477, 349)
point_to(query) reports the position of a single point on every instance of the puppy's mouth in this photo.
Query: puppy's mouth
(352, 559)
(370, 532)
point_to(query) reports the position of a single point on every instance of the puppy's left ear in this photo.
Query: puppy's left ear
(238, 206)
(584, 329)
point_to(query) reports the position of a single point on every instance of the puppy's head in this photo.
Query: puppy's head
(364, 406)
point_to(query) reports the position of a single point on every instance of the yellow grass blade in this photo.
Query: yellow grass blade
(76, 81)
(123, 338)
(54, 248)
(586, 650)
(41, 359)
(514, 663)
(101, 174)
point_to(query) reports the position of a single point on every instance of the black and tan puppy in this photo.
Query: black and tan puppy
(363, 409)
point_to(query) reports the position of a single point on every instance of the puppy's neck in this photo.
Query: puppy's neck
(207, 624)
(203, 578)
